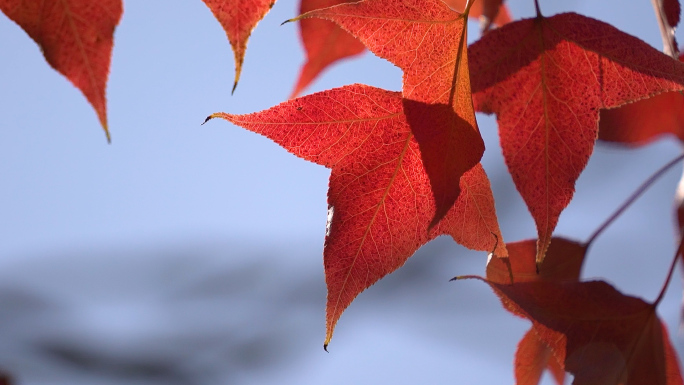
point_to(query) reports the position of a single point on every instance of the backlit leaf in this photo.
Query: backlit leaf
(238, 18)
(325, 42)
(427, 40)
(76, 37)
(546, 79)
(379, 197)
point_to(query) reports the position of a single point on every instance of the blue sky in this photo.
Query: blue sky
(166, 181)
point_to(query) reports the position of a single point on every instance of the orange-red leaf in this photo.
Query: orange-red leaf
(238, 18)
(426, 39)
(379, 196)
(599, 334)
(547, 79)
(76, 37)
(324, 41)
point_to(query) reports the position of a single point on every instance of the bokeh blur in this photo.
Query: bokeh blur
(188, 254)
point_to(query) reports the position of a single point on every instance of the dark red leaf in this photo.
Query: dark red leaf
(563, 262)
(672, 12)
(600, 335)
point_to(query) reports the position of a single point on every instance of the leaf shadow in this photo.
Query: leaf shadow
(449, 147)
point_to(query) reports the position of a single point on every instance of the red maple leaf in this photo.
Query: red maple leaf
(546, 79)
(326, 43)
(380, 199)
(599, 334)
(76, 37)
(427, 40)
(238, 18)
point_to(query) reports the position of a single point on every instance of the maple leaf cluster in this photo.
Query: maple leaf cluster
(405, 166)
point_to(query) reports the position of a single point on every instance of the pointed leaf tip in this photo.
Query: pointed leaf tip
(238, 18)
(212, 116)
(107, 134)
(76, 38)
(460, 277)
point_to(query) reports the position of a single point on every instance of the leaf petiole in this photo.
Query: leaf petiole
(671, 271)
(644, 186)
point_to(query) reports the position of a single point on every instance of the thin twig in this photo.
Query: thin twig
(666, 30)
(467, 7)
(632, 198)
(669, 273)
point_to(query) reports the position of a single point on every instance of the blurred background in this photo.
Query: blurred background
(188, 254)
